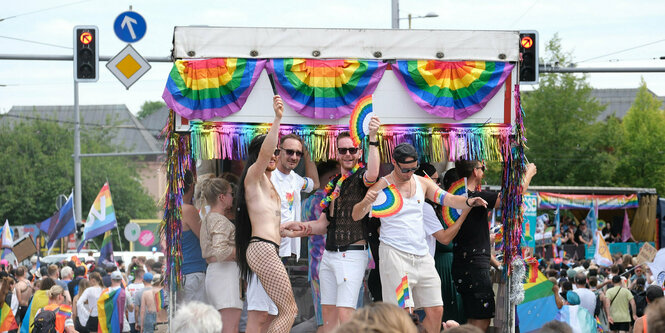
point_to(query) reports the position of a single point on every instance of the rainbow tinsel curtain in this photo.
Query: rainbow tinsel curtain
(325, 89)
(452, 89)
(204, 89)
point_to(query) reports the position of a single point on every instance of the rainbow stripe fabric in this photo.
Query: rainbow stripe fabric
(389, 202)
(159, 300)
(101, 217)
(204, 89)
(402, 292)
(7, 319)
(110, 310)
(359, 120)
(325, 89)
(450, 215)
(452, 89)
(39, 300)
(582, 201)
(538, 306)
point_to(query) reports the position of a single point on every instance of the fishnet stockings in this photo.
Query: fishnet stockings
(264, 261)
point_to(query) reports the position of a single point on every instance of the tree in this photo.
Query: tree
(150, 107)
(643, 150)
(38, 166)
(559, 119)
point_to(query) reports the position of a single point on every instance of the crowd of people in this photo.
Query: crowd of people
(71, 291)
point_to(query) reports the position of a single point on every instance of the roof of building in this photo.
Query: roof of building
(618, 101)
(156, 121)
(130, 134)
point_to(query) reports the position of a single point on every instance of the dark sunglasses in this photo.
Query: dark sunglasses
(276, 152)
(407, 170)
(343, 151)
(292, 152)
(481, 168)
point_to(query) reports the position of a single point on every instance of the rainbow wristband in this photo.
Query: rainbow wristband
(439, 195)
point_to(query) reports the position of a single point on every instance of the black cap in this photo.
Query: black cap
(654, 292)
(405, 153)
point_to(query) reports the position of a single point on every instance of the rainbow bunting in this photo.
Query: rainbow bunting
(402, 292)
(360, 118)
(39, 300)
(204, 89)
(452, 89)
(584, 201)
(160, 297)
(538, 306)
(389, 202)
(7, 319)
(450, 215)
(110, 310)
(325, 89)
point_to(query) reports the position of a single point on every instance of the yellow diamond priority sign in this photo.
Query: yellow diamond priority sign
(128, 66)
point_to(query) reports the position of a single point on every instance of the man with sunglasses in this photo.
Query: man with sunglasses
(403, 249)
(345, 258)
(261, 310)
(471, 247)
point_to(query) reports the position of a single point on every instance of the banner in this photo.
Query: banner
(584, 201)
(530, 209)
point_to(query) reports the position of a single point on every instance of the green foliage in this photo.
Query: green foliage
(38, 166)
(643, 149)
(150, 107)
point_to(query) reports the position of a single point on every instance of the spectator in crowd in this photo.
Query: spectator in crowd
(116, 283)
(23, 290)
(583, 235)
(207, 319)
(54, 274)
(63, 321)
(147, 284)
(193, 265)
(587, 297)
(151, 317)
(656, 316)
(555, 326)
(132, 289)
(87, 303)
(379, 317)
(653, 293)
(80, 317)
(617, 302)
(72, 286)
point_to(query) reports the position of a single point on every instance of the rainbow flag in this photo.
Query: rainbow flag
(110, 310)
(7, 319)
(160, 298)
(450, 215)
(584, 201)
(205, 89)
(39, 300)
(538, 306)
(452, 89)
(106, 251)
(101, 217)
(325, 89)
(402, 292)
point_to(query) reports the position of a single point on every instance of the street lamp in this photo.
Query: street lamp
(410, 17)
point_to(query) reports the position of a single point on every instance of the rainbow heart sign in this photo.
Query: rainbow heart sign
(360, 118)
(389, 202)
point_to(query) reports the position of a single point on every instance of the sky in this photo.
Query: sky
(611, 33)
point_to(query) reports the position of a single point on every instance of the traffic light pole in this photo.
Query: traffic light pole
(77, 155)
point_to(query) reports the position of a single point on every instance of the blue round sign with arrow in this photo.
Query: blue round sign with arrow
(129, 26)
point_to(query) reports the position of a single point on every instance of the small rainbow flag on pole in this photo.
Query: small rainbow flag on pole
(7, 319)
(402, 292)
(159, 300)
(110, 309)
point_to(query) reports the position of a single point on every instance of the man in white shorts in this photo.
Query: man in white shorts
(403, 250)
(261, 310)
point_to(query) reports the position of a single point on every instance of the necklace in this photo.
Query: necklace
(332, 189)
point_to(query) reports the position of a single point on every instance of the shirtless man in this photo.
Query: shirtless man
(23, 291)
(149, 315)
(258, 224)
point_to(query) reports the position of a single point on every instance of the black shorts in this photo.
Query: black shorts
(475, 286)
(620, 326)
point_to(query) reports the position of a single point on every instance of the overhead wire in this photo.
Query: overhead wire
(42, 10)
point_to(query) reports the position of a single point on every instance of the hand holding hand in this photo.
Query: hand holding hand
(294, 229)
(278, 106)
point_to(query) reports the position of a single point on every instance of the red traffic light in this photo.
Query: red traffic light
(86, 38)
(526, 42)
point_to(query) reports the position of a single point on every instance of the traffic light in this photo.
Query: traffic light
(529, 57)
(86, 57)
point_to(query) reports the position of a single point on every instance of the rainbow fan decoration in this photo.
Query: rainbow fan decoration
(450, 215)
(360, 118)
(204, 89)
(452, 89)
(390, 202)
(325, 89)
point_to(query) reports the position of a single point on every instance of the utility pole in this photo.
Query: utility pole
(395, 14)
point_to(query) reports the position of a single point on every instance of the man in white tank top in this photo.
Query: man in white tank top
(403, 251)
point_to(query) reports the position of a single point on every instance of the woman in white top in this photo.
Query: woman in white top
(80, 318)
(218, 248)
(87, 303)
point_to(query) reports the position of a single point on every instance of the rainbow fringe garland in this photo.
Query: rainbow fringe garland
(178, 160)
(218, 140)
